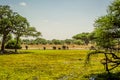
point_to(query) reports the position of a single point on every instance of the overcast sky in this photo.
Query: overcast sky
(60, 19)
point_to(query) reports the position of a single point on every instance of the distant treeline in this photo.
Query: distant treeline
(79, 39)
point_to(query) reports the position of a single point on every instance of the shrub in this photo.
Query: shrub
(11, 45)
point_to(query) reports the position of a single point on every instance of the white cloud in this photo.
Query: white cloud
(23, 4)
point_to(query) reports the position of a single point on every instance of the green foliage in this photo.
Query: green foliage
(49, 42)
(6, 23)
(107, 28)
(68, 41)
(13, 23)
(9, 37)
(40, 41)
(82, 36)
(25, 41)
(31, 31)
(12, 45)
(78, 42)
(103, 32)
(106, 33)
(20, 25)
(91, 37)
(56, 42)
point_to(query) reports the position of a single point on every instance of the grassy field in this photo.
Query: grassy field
(48, 65)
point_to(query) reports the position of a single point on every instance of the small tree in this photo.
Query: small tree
(12, 45)
(68, 41)
(56, 42)
(83, 37)
(78, 42)
(21, 25)
(6, 23)
(40, 41)
(107, 31)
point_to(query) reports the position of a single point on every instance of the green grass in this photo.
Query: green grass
(48, 65)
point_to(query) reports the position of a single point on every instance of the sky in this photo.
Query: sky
(60, 19)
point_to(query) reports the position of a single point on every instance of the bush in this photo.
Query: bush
(11, 45)
(78, 42)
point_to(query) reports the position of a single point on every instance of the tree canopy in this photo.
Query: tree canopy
(83, 37)
(13, 23)
(6, 23)
(107, 35)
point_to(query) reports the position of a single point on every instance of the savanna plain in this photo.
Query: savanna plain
(49, 65)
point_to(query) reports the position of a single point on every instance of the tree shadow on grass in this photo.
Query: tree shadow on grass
(104, 76)
(9, 52)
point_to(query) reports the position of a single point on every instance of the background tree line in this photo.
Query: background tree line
(78, 39)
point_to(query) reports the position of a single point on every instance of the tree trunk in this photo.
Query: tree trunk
(3, 44)
(118, 44)
(106, 64)
(17, 39)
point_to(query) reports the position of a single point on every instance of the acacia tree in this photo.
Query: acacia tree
(107, 31)
(56, 41)
(40, 41)
(83, 37)
(12, 22)
(31, 31)
(104, 32)
(6, 23)
(20, 27)
(68, 41)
